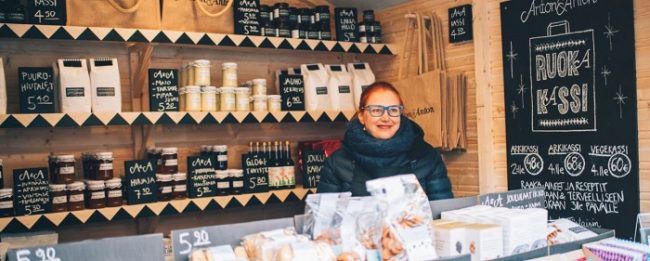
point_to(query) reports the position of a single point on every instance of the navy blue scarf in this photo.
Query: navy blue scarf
(372, 153)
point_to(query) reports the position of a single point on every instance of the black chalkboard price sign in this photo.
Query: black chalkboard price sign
(52, 12)
(202, 180)
(141, 186)
(347, 29)
(163, 90)
(571, 99)
(292, 90)
(246, 16)
(313, 162)
(31, 191)
(256, 172)
(460, 24)
(36, 91)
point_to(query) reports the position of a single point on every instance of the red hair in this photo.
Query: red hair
(377, 87)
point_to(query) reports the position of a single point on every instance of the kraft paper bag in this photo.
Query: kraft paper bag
(210, 16)
(138, 14)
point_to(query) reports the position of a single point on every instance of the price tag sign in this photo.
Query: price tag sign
(292, 90)
(36, 91)
(186, 240)
(347, 29)
(52, 12)
(141, 186)
(202, 180)
(460, 24)
(256, 173)
(520, 198)
(163, 90)
(246, 16)
(31, 191)
(313, 162)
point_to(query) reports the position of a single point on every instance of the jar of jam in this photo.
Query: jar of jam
(114, 192)
(179, 189)
(58, 197)
(221, 151)
(281, 12)
(223, 183)
(6, 202)
(169, 160)
(236, 181)
(95, 194)
(64, 173)
(164, 186)
(75, 195)
(265, 13)
(104, 166)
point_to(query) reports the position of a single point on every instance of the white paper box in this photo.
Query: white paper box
(105, 85)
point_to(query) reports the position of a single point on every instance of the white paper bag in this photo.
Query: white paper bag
(74, 83)
(105, 85)
(3, 89)
(317, 96)
(362, 77)
(339, 88)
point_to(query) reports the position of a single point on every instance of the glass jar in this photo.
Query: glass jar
(236, 181)
(281, 12)
(179, 189)
(368, 16)
(164, 187)
(75, 195)
(221, 151)
(268, 29)
(65, 169)
(274, 103)
(265, 13)
(259, 86)
(114, 192)
(228, 100)
(243, 96)
(293, 16)
(95, 194)
(324, 33)
(193, 98)
(6, 202)
(58, 197)
(202, 72)
(260, 103)
(322, 15)
(229, 74)
(209, 98)
(169, 160)
(284, 30)
(181, 99)
(223, 183)
(104, 166)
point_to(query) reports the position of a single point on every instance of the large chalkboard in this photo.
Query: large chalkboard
(247, 14)
(36, 89)
(292, 91)
(163, 90)
(347, 29)
(141, 185)
(202, 180)
(46, 12)
(31, 191)
(571, 118)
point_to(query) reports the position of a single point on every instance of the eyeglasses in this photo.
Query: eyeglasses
(378, 110)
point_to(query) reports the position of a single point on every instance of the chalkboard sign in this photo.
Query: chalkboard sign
(519, 198)
(141, 186)
(51, 12)
(31, 191)
(347, 29)
(571, 119)
(292, 90)
(313, 161)
(202, 180)
(460, 24)
(163, 90)
(36, 91)
(247, 14)
(131, 248)
(256, 172)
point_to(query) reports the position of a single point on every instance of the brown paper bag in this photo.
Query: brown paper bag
(138, 14)
(211, 16)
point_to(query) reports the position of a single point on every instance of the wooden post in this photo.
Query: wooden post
(140, 61)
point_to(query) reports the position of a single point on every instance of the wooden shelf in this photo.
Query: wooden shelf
(56, 32)
(29, 120)
(53, 220)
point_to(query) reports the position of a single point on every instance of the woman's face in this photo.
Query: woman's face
(385, 126)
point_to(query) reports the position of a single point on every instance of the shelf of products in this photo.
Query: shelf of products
(34, 31)
(166, 118)
(49, 220)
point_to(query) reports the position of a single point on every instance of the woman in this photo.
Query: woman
(380, 143)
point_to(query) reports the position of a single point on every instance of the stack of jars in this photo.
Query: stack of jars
(262, 101)
(63, 185)
(171, 183)
(229, 181)
(198, 94)
(281, 20)
(101, 188)
(369, 29)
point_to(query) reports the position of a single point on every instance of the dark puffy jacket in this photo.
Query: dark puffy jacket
(425, 161)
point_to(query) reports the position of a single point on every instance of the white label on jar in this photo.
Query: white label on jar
(106, 166)
(363, 39)
(98, 195)
(238, 184)
(166, 189)
(180, 188)
(362, 28)
(115, 193)
(223, 185)
(222, 158)
(76, 198)
(294, 34)
(66, 170)
(59, 200)
(171, 162)
(6, 204)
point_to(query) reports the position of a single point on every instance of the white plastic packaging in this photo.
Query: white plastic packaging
(74, 83)
(362, 76)
(105, 85)
(3, 89)
(339, 88)
(316, 93)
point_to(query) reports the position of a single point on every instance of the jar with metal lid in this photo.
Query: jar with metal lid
(259, 86)
(274, 103)
(281, 12)
(179, 183)
(265, 13)
(164, 187)
(114, 192)
(376, 38)
(368, 16)
(322, 15)
(228, 99)
(229, 74)
(95, 194)
(193, 98)
(260, 103)
(181, 99)
(58, 197)
(313, 32)
(284, 30)
(324, 33)
(104, 166)
(6, 202)
(64, 169)
(223, 183)
(293, 16)
(376, 28)
(236, 181)
(169, 160)
(75, 195)
(202, 72)
(268, 29)
(208, 98)
(243, 95)
(221, 151)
